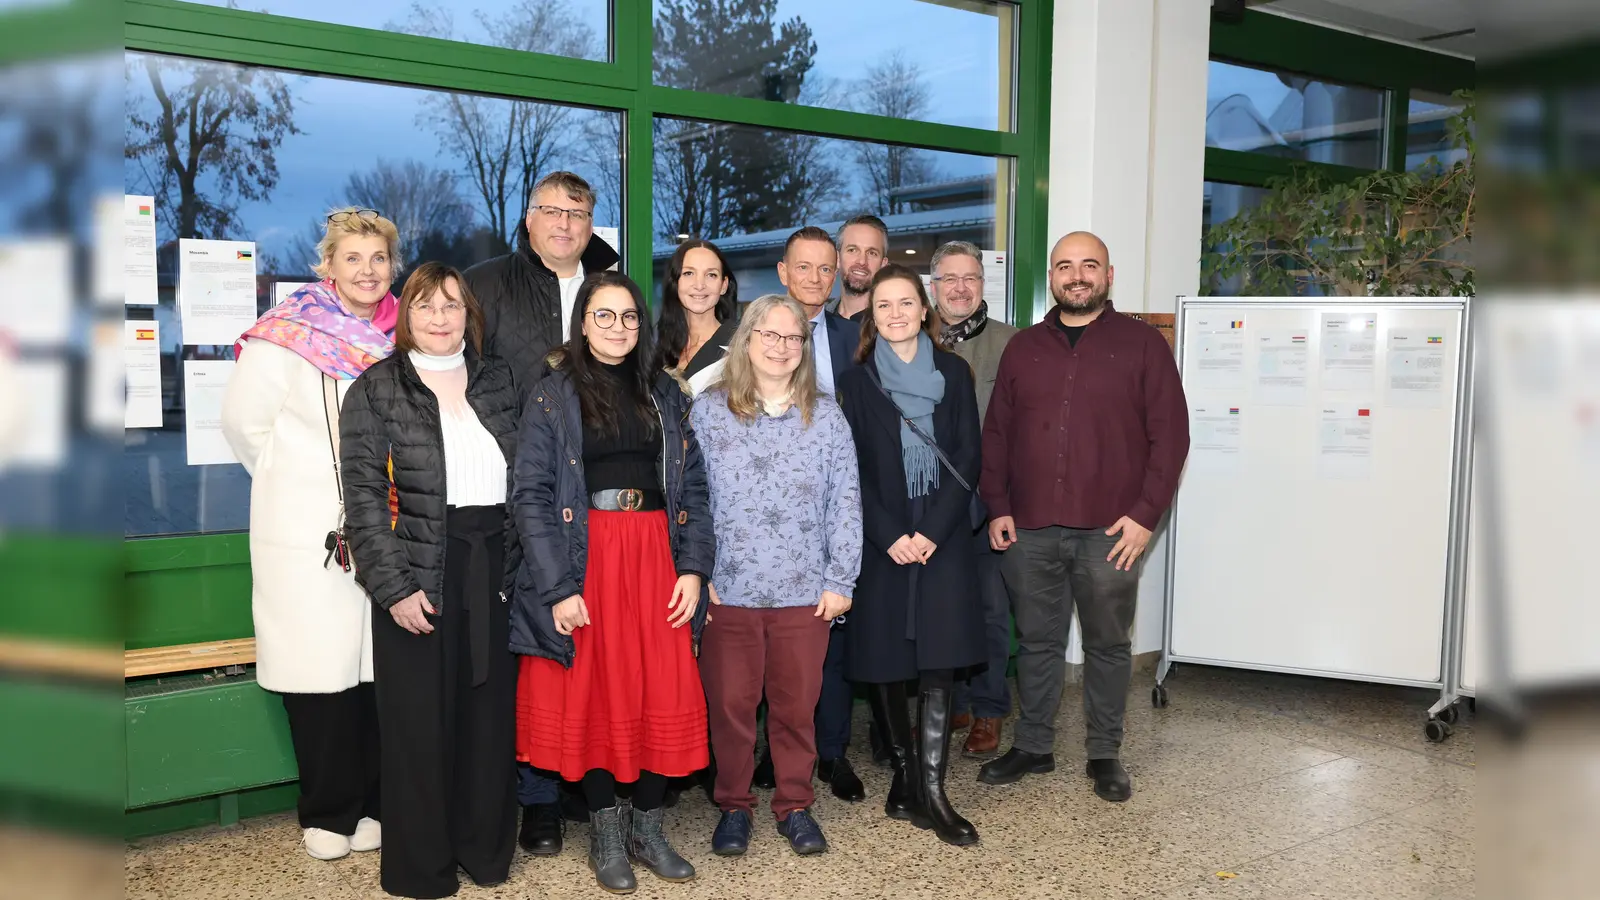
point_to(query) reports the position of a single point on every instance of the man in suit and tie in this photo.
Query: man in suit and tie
(808, 268)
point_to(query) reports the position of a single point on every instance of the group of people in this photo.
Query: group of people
(516, 538)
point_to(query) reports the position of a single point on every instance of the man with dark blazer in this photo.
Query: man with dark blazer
(810, 263)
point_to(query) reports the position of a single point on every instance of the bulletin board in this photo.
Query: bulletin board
(1317, 526)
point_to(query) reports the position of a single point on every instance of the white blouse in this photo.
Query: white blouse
(474, 467)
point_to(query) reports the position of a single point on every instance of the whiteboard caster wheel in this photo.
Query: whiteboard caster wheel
(1449, 715)
(1472, 705)
(1158, 697)
(1436, 731)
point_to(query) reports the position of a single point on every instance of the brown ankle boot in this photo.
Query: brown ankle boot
(984, 738)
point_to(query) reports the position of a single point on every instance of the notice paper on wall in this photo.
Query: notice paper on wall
(139, 250)
(40, 270)
(204, 382)
(994, 281)
(1345, 442)
(1416, 367)
(283, 290)
(103, 382)
(1219, 351)
(216, 290)
(1349, 351)
(1216, 434)
(141, 354)
(1283, 364)
(612, 235)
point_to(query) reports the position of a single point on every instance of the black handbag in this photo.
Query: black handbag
(978, 513)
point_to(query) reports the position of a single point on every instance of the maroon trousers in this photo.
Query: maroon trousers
(742, 652)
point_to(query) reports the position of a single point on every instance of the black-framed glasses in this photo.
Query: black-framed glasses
(554, 213)
(606, 318)
(343, 215)
(771, 338)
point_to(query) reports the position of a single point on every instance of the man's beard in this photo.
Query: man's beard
(1093, 303)
(854, 286)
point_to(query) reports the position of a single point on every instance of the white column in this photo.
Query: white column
(1127, 162)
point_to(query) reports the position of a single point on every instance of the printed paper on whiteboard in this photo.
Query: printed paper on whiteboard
(1216, 438)
(1218, 359)
(1345, 442)
(1349, 351)
(216, 290)
(139, 286)
(141, 355)
(1283, 365)
(1415, 375)
(204, 382)
(994, 281)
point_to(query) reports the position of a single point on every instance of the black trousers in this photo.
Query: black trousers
(449, 745)
(335, 740)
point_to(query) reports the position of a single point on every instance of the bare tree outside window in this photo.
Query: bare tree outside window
(895, 88)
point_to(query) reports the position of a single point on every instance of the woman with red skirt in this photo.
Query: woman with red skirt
(612, 509)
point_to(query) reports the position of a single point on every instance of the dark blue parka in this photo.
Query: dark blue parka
(550, 505)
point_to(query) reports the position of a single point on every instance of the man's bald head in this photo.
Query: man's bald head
(1081, 245)
(1080, 274)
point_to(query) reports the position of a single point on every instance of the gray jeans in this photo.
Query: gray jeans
(1049, 571)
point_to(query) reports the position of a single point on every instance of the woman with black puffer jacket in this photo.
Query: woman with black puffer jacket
(428, 438)
(610, 499)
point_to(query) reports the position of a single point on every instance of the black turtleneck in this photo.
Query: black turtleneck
(626, 459)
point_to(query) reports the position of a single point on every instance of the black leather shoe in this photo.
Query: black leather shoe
(933, 808)
(1111, 781)
(1016, 765)
(842, 779)
(541, 829)
(764, 778)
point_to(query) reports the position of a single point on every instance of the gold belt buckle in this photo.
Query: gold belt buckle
(630, 499)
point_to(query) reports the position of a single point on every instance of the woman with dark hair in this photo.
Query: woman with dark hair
(913, 408)
(610, 499)
(699, 297)
(436, 425)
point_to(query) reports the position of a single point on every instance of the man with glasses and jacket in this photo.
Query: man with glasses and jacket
(527, 297)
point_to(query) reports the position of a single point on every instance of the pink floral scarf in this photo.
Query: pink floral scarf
(314, 324)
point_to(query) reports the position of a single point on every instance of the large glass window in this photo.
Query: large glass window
(573, 28)
(946, 62)
(1428, 130)
(1223, 202)
(1293, 117)
(748, 188)
(242, 153)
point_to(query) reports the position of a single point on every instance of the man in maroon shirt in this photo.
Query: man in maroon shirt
(1086, 434)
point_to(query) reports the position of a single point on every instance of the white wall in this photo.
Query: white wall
(1127, 162)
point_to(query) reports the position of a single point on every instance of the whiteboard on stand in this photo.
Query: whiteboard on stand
(1313, 529)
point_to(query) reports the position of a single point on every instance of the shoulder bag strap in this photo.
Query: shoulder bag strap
(330, 415)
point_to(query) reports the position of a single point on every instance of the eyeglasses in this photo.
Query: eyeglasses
(343, 215)
(554, 214)
(605, 318)
(970, 281)
(771, 338)
(451, 310)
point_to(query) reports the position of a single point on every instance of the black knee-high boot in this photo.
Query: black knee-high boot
(933, 809)
(888, 703)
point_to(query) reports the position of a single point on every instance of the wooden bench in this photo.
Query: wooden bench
(189, 657)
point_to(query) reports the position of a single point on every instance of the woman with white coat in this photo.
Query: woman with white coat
(313, 623)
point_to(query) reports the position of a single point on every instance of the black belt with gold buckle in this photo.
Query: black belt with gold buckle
(628, 500)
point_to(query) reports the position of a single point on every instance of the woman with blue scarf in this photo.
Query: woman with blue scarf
(913, 409)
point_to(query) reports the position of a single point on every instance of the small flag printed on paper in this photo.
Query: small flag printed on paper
(1435, 340)
(1363, 412)
(1233, 410)
(144, 334)
(1297, 339)
(144, 210)
(244, 254)
(1236, 323)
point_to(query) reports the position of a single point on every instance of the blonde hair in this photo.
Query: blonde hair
(353, 225)
(738, 377)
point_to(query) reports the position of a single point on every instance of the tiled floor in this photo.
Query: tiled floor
(1247, 785)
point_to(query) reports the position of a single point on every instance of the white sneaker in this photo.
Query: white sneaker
(368, 836)
(323, 844)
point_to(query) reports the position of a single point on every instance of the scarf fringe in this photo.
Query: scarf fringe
(922, 468)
